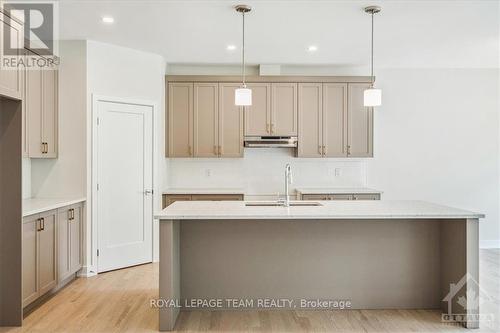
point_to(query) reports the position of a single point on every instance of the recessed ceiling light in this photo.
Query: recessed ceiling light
(231, 47)
(312, 48)
(108, 19)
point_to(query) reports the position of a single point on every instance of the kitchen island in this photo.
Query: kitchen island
(370, 255)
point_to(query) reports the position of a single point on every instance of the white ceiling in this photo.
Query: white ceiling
(444, 34)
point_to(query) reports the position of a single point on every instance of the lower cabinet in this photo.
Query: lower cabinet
(69, 241)
(39, 255)
(349, 196)
(52, 250)
(169, 199)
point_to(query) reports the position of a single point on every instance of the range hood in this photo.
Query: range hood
(271, 141)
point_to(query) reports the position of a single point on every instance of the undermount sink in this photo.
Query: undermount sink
(281, 204)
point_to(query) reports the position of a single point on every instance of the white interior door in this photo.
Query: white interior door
(125, 182)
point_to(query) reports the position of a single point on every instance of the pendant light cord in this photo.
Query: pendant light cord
(371, 78)
(243, 51)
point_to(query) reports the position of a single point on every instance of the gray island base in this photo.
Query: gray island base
(376, 255)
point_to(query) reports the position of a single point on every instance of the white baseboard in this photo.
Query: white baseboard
(489, 244)
(87, 271)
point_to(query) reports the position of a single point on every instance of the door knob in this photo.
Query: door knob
(147, 192)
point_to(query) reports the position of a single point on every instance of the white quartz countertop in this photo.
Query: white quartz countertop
(216, 210)
(39, 205)
(204, 191)
(336, 190)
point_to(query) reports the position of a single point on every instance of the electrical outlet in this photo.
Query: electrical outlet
(337, 172)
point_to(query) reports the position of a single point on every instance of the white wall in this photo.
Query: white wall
(436, 139)
(115, 71)
(65, 176)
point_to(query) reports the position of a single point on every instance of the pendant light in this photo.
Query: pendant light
(243, 95)
(372, 96)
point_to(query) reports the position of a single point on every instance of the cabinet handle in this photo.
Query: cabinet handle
(69, 215)
(272, 128)
(43, 147)
(220, 150)
(320, 149)
(43, 223)
(324, 150)
(348, 150)
(46, 147)
(38, 224)
(190, 150)
(267, 128)
(72, 213)
(215, 150)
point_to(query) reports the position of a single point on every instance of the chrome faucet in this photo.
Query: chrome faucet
(288, 181)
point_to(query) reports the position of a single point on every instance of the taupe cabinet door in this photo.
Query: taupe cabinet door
(310, 120)
(75, 237)
(30, 260)
(334, 119)
(39, 255)
(34, 110)
(230, 122)
(273, 110)
(42, 111)
(69, 249)
(170, 199)
(11, 80)
(180, 120)
(47, 252)
(326, 196)
(63, 245)
(360, 123)
(50, 112)
(333, 122)
(213, 127)
(284, 109)
(258, 115)
(206, 122)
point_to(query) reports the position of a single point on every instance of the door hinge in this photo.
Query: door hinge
(98, 252)
(98, 121)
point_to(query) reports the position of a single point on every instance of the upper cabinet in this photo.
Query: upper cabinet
(41, 101)
(203, 120)
(327, 116)
(230, 122)
(273, 111)
(206, 120)
(360, 123)
(333, 122)
(11, 80)
(284, 109)
(180, 120)
(258, 115)
(335, 119)
(310, 120)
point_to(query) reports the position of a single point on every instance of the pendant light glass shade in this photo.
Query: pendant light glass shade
(373, 97)
(243, 96)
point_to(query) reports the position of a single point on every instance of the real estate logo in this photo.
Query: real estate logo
(32, 26)
(463, 302)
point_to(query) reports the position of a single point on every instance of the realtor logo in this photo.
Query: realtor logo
(464, 299)
(38, 20)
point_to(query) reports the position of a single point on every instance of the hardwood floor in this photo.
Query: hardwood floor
(119, 301)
